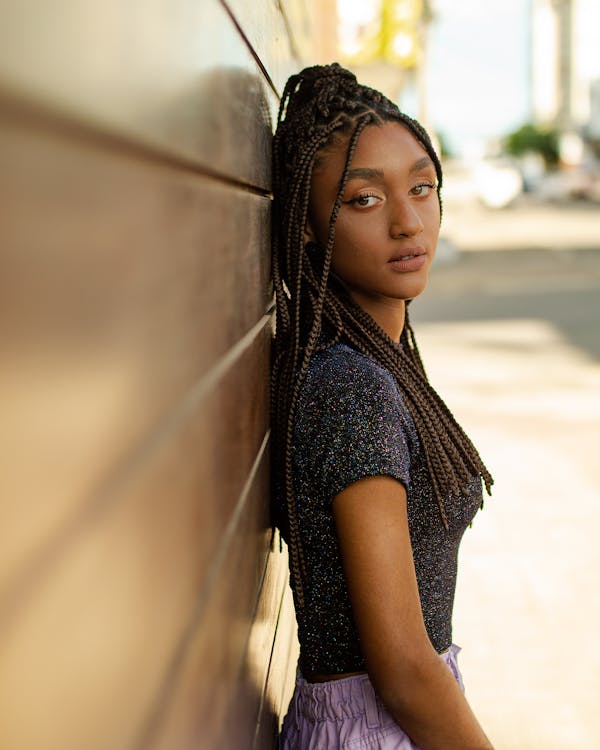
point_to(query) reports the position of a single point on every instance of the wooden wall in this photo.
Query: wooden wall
(143, 603)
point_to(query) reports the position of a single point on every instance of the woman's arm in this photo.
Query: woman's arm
(416, 686)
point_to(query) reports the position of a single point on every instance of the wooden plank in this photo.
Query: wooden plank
(263, 25)
(300, 19)
(247, 699)
(99, 633)
(122, 283)
(177, 77)
(198, 699)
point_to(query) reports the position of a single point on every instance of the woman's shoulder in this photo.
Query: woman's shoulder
(340, 365)
(351, 421)
(342, 379)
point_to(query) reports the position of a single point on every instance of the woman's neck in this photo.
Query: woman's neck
(389, 314)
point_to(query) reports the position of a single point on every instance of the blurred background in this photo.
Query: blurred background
(143, 596)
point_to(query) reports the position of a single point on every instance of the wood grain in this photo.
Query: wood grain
(201, 701)
(131, 282)
(101, 630)
(270, 39)
(177, 77)
(142, 606)
(274, 618)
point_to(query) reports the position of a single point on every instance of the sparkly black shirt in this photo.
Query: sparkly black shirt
(352, 422)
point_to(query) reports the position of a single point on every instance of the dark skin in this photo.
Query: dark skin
(390, 208)
(390, 211)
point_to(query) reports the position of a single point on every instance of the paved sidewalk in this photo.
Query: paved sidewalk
(512, 341)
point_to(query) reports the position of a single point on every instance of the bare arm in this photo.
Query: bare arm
(416, 686)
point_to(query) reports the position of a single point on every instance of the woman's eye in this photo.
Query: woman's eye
(423, 189)
(364, 201)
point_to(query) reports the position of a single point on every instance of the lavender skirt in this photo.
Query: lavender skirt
(346, 714)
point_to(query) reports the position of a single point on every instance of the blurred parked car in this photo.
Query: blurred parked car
(497, 182)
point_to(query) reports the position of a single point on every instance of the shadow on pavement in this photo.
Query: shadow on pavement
(559, 288)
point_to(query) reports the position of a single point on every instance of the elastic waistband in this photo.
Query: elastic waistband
(350, 696)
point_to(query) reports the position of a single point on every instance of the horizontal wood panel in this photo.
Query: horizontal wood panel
(264, 27)
(100, 631)
(204, 702)
(122, 283)
(177, 76)
(247, 699)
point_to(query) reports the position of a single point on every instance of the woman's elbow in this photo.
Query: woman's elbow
(398, 680)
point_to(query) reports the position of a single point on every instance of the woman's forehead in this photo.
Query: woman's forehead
(377, 146)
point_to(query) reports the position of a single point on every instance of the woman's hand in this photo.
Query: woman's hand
(416, 686)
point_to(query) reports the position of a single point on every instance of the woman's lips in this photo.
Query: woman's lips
(410, 260)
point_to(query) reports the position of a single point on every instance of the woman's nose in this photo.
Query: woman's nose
(405, 220)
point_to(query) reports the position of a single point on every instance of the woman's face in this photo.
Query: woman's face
(388, 225)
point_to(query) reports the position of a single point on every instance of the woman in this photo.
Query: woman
(374, 481)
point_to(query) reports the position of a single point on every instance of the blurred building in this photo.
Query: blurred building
(565, 66)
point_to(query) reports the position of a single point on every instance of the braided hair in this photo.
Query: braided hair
(322, 106)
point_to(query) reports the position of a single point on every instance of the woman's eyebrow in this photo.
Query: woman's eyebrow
(365, 173)
(421, 164)
(368, 173)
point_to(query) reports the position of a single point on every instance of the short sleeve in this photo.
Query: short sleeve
(351, 422)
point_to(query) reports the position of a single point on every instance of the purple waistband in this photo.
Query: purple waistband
(347, 697)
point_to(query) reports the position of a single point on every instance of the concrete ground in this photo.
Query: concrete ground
(509, 330)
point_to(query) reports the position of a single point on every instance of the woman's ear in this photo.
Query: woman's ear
(309, 234)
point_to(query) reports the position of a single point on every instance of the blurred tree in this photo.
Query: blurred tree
(444, 148)
(532, 138)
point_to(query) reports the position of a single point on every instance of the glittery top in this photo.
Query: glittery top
(352, 422)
